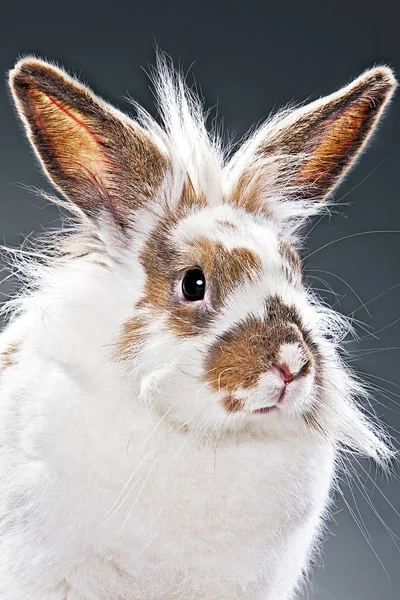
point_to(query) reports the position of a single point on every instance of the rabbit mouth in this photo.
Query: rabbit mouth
(267, 409)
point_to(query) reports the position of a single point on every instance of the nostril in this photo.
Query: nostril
(283, 372)
(287, 376)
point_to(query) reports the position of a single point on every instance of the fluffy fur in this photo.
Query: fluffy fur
(152, 447)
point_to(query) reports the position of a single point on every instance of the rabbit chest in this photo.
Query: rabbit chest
(211, 521)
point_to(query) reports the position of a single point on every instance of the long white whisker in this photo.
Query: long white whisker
(128, 482)
(140, 492)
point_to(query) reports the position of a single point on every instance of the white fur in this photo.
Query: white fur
(127, 480)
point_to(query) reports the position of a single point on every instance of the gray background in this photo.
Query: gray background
(250, 58)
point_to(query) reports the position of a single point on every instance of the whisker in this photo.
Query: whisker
(376, 298)
(126, 485)
(348, 237)
(360, 182)
(140, 492)
(362, 532)
(383, 328)
(347, 284)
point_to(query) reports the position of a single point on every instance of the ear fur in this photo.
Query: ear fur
(305, 153)
(106, 163)
(96, 156)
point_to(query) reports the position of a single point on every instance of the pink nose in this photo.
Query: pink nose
(283, 372)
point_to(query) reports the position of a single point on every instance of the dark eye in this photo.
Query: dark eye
(194, 285)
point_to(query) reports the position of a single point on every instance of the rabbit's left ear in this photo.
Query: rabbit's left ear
(304, 154)
(97, 157)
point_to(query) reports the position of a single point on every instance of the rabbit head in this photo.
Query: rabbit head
(223, 332)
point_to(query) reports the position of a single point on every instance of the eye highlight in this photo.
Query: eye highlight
(194, 285)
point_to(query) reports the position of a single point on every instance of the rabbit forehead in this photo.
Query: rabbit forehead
(232, 229)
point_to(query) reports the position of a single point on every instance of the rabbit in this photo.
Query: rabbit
(175, 406)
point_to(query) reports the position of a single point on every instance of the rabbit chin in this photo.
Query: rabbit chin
(267, 406)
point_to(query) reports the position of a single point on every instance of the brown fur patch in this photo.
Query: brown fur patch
(165, 267)
(241, 355)
(97, 158)
(131, 338)
(224, 269)
(226, 225)
(247, 193)
(8, 356)
(189, 198)
(101, 264)
(311, 420)
(291, 262)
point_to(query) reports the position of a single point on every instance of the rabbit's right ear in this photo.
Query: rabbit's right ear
(96, 156)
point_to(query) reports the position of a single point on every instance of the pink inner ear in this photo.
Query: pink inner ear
(73, 117)
(101, 161)
(76, 150)
(74, 154)
(313, 147)
(338, 142)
